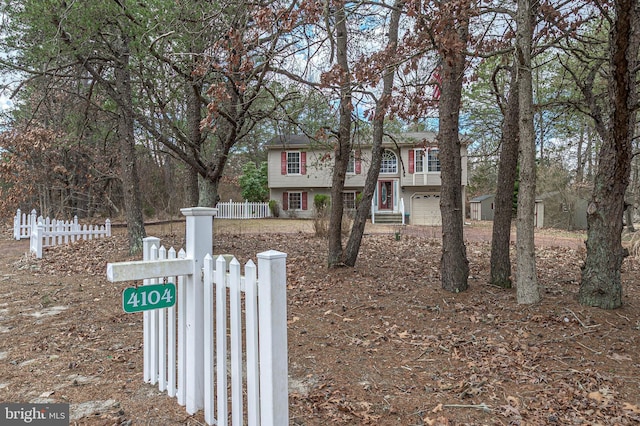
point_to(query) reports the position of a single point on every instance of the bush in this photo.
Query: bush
(274, 207)
(321, 204)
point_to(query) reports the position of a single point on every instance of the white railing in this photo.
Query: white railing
(194, 349)
(402, 210)
(243, 210)
(51, 232)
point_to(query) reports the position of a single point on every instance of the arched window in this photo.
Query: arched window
(389, 162)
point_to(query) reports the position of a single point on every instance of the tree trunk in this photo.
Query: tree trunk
(601, 283)
(343, 149)
(130, 181)
(208, 192)
(360, 219)
(501, 233)
(526, 278)
(191, 191)
(454, 265)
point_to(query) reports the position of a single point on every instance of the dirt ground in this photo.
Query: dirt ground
(378, 344)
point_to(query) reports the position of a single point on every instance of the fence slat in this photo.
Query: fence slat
(253, 371)
(182, 336)
(209, 341)
(162, 336)
(153, 329)
(171, 338)
(235, 316)
(147, 244)
(221, 339)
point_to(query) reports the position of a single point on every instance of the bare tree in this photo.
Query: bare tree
(454, 27)
(601, 282)
(526, 278)
(507, 173)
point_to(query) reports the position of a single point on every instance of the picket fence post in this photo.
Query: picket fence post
(16, 224)
(272, 306)
(35, 242)
(199, 242)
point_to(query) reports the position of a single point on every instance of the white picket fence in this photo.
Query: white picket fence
(50, 232)
(193, 349)
(243, 210)
(22, 224)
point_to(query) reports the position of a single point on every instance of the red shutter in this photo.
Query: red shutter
(358, 162)
(283, 163)
(304, 201)
(412, 161)
(285, 201)
(303, 163)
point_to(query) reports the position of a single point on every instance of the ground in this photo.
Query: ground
(378, 344)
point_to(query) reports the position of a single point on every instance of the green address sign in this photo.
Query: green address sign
(147, 297)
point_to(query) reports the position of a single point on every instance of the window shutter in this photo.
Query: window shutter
(412, 161)
(358, 162)
(285, 201)
(304, 201)
(283, 163)
(303, 163)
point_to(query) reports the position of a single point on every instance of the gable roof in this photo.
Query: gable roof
(481, 198)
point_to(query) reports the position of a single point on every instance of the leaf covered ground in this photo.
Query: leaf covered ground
(378, 344)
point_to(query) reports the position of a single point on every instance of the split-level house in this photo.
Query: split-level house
(408, 184)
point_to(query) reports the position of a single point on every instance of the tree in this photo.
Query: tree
(454, 265)
(343, 142)
(526, 278)
(507, 172)
(382, 106)
(254, 182)
(601, 283)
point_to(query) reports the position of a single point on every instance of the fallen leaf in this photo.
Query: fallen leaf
(618, 357)
(596, 396)
(631, 407)
(437, 409)
(292, 320)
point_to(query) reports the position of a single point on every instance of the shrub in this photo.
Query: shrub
(274, 207)
(321, 204)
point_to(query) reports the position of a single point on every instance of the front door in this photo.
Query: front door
(385, 195)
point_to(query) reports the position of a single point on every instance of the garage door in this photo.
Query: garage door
(425, 210)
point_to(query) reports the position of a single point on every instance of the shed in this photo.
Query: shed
(482, 207)
(562, 210)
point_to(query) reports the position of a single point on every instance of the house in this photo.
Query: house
(482, 207)
(408, 184)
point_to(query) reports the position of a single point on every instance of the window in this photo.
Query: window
(293, 163)
(419, 160)
(389, 162)
(349, 200)
(351, 165)
(433, 160)
(295, 201)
